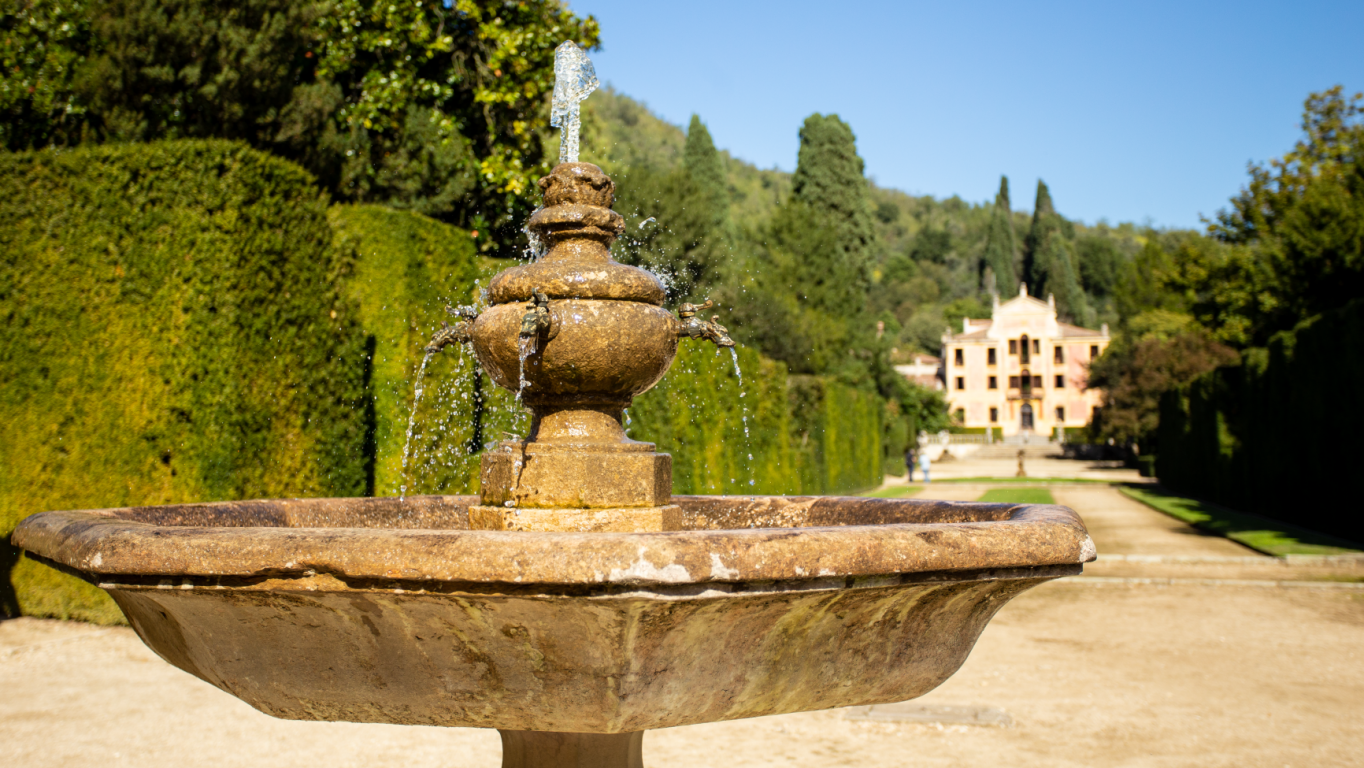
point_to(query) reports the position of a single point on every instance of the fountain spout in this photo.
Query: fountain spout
(695, 328)
(536, 320)
(459, 333)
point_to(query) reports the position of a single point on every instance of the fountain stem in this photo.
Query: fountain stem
(547, 749)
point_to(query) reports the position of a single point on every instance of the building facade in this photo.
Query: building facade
(1022, 370)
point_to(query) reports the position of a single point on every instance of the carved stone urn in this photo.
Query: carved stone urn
(578, 335)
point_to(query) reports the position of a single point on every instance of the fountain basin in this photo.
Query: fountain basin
(389, 611)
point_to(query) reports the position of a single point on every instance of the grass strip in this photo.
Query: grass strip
(1018, 496)
(1259, 533)
(1025, 480)
(894, 492)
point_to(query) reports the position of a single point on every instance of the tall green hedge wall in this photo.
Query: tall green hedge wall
(1277, 435)
(168, 332)
(189, 321)
(754, 429)
(402, 269)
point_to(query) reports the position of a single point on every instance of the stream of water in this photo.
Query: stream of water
(743, 406)
(412, 419)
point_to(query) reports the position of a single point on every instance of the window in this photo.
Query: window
(990, 356)
(1023, 350)
(1013, 346)
(961, 415)
(1058, 355)
(994, 415)
(958, 357)
(994, 382)
(961, 382)
(1037, 382)
(1013, 382)
(1060, 382)
(1093, 351)
(1060, 414)
(1037, 346)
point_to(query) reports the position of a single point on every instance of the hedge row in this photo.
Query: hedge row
(168, 333)
(1276, 435)
(736, 423)
(188, 321)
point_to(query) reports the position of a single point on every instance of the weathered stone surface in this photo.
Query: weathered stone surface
(617, 520)
(608, 351)
(573, 632)
(538, 475)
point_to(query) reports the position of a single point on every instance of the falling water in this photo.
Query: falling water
(412, 420)
(527, 345)
(748, 448)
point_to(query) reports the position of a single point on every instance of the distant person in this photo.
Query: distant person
(924, 464)
(910, 458)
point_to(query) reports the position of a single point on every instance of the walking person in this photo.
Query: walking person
(924, 463)
(910, 459)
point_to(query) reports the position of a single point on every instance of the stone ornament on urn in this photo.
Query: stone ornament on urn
(577, 335)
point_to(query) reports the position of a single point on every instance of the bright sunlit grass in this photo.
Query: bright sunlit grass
(1018, 496)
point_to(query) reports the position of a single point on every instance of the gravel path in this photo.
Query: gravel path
(1091, 674)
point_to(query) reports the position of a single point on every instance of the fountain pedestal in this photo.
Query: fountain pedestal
(578, 336)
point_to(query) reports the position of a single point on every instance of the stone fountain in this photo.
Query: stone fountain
(575, 603)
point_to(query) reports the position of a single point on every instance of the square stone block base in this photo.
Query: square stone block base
(555, 477)
(627, 520)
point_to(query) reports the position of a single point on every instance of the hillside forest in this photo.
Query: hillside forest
(441, 109)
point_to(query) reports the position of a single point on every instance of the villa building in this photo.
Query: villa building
(1021, 370)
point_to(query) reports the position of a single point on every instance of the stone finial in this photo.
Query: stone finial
(578, 184)
(1022, 289)
(1051, 301)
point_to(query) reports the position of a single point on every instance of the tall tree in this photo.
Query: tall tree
(1049, 261)
(829, 181)
(1303, 219)
(707, 169)
(1001, 248)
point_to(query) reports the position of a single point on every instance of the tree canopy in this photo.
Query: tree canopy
(433, 106)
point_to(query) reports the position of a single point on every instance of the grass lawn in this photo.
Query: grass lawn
(1018, 496)
(894, 492)
(1023, 480)
(1260, 533)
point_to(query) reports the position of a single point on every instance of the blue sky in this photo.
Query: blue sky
(1144, 112)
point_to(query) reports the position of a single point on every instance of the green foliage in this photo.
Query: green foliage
(1266, 535)
(171, 333)
(401, 270)
(434, 106)
(707, 170)
(829, 184)
(768, 434)
(1136, 370)
(43, 47)
(1304, 214)
(1049, 261)
(1018, 496)
(1274, 435)
(1001, 247)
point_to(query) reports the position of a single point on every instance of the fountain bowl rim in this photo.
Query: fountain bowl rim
(99, 544)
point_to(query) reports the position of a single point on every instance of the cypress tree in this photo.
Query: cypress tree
(1001, 248)
(707, 169)
(829, 180)
(1049, 260)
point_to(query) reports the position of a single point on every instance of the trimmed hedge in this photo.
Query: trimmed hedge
(188, 321)
(168, 333)
(1277, 434)
(806, 435)
(402, 269)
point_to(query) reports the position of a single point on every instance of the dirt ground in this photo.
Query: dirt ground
(1092, 674)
